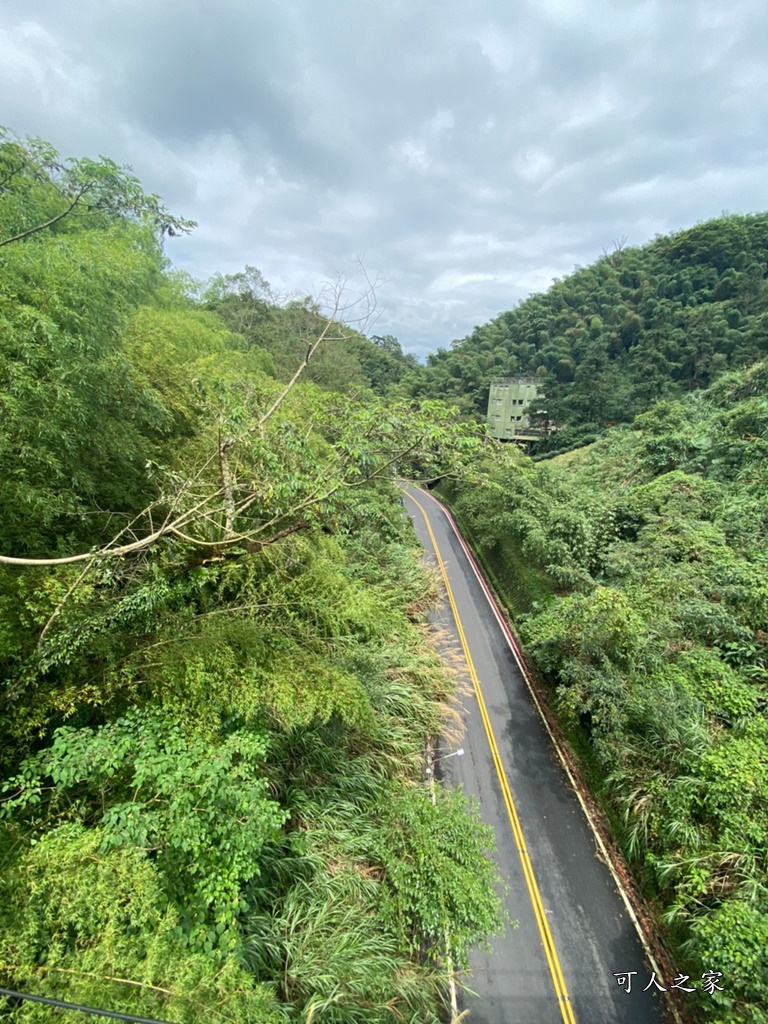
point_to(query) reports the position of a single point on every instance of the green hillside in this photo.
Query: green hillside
(638, 325)
(635, 565)
(637, 569)
(216, 681)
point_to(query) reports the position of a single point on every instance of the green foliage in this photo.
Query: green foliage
(85, 922)
(654, 638)
(214, 715)
(77, 424)
(149, 786)
(735, 937)
(39, 191)
(639, 325)
(433, 890)
(335, 958)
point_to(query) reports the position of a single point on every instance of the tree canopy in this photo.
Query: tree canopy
(217, 681)
(638, 325)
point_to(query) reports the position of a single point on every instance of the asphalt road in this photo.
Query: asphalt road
(575, 932)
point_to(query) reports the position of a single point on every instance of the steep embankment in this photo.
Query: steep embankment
(639, 575)
(217, 684)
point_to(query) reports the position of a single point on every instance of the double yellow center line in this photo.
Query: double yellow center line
(533, 890)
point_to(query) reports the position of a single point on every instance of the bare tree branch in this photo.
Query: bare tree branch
(60, 606)
(337, 309)
(175, 525)
(41, 227)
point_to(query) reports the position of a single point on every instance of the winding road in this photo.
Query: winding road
(575, 930)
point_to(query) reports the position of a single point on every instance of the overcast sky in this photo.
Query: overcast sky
(468, 150)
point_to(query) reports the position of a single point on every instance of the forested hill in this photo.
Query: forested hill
(247, 304)
(637, 325)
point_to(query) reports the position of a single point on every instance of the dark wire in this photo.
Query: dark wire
(81, 1009)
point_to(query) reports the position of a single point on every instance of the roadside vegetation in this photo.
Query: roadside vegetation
(637, 573)
(635, 564)
(217, 681)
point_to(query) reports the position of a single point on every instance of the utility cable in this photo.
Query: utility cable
(113, 1014)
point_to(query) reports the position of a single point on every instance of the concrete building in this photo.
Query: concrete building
(513, 414)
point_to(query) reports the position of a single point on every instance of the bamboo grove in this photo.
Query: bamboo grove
(217, 681)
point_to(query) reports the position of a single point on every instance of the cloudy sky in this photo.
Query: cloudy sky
(467, 150)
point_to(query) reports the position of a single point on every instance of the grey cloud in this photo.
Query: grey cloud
(471, 152)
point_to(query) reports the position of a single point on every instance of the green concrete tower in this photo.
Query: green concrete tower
(513, 414)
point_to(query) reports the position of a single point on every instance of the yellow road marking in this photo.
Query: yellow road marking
(533, 889)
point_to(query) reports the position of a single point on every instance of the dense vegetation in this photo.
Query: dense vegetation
(637, 569)
(217, 681)
(217, 685)
(636, 566)
(638, 325)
